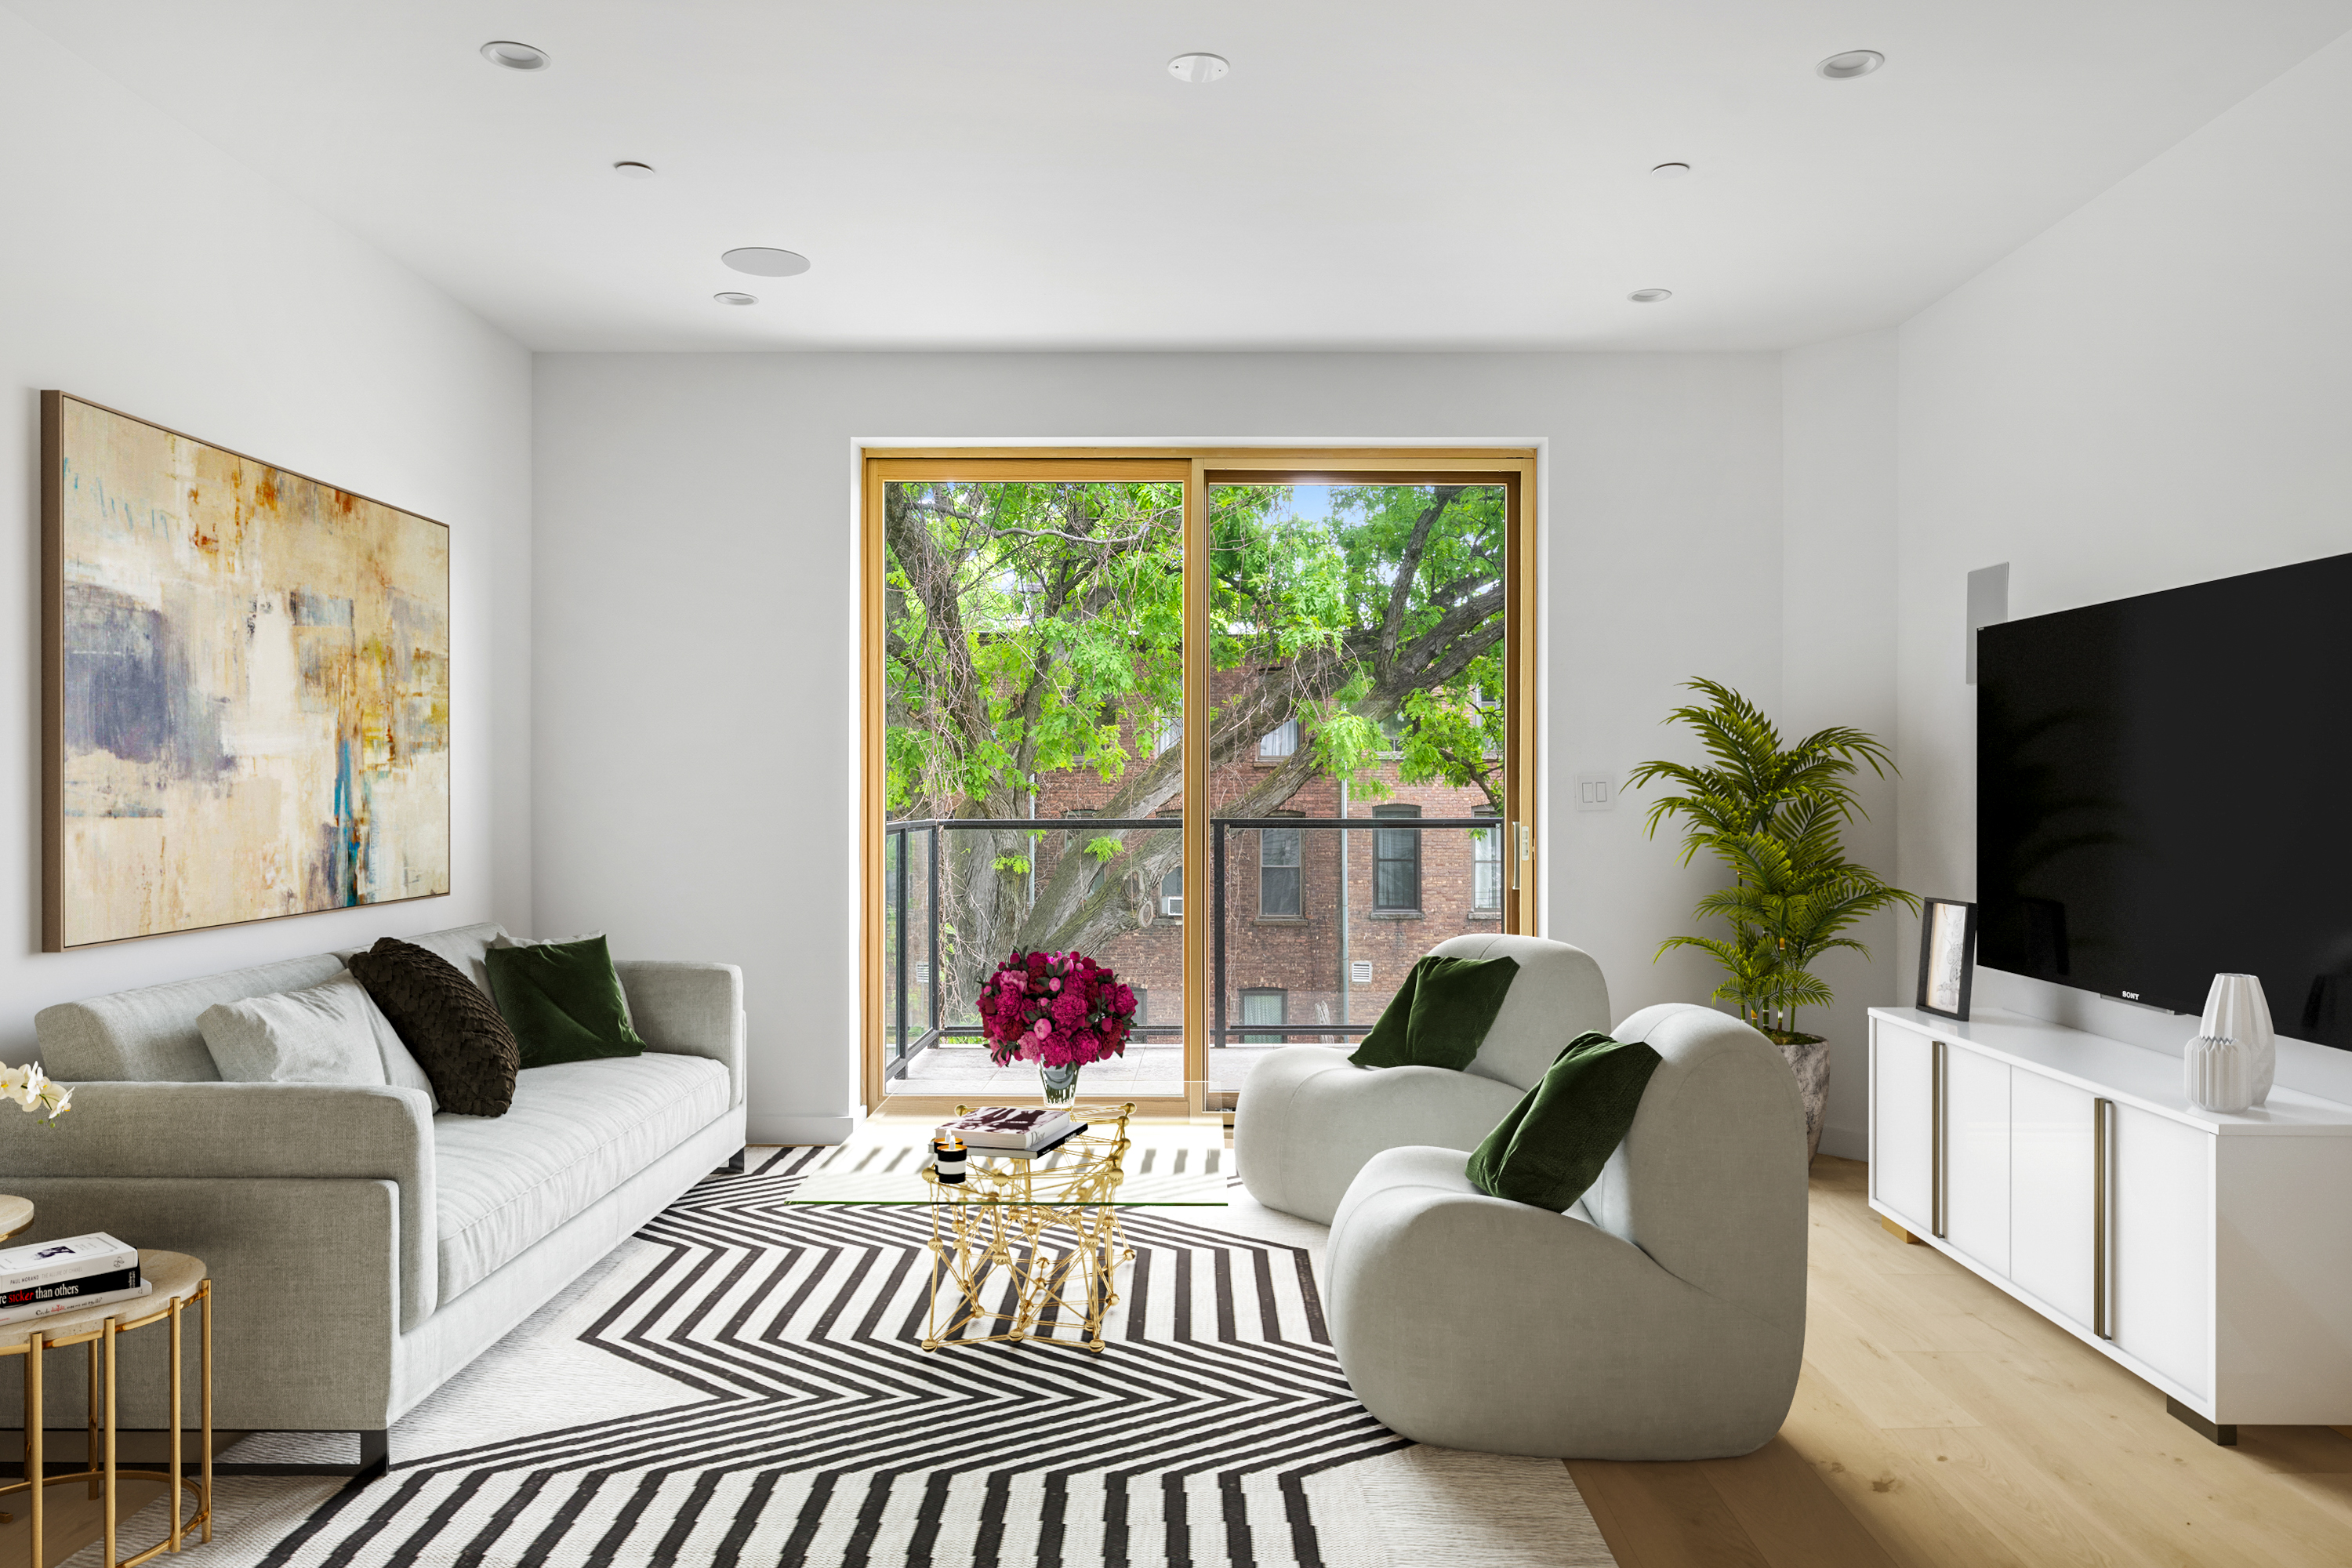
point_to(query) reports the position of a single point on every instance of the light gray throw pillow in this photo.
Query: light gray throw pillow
(329, 1033)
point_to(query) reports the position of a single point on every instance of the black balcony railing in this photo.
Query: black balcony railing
(916, 1006)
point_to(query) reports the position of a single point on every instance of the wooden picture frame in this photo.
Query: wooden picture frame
(244, 688)
(1947, 957)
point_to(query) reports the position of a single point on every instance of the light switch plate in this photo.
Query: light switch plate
(1596, 791)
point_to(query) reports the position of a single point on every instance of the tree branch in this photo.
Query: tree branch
(1408, 568)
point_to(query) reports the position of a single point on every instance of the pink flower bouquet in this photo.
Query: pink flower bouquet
(1056, 1009)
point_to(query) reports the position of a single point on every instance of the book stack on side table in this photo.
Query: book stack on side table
(1019, 1131)
(46, 1278)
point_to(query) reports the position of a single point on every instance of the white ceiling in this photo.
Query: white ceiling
(1454, 174)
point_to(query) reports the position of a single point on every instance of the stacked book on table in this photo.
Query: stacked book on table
(1013, 1129)
(52, 1277)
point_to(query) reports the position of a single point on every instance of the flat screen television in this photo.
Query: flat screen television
(2164, 792)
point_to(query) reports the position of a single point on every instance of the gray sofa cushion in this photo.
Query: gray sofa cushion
(150, 1035)
(576, 1132)
(322, 1034)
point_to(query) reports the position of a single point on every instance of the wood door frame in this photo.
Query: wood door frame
(1197, 467)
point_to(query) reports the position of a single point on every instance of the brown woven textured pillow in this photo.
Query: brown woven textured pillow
(454, 1031)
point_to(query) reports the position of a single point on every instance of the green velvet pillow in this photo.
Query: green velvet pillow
(1440, 1015)
(563, 1001)
(1552, 1145)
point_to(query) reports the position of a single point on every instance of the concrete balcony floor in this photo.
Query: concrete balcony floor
(958, 1068)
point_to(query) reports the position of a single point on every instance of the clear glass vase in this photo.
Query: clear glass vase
(1061, 1084)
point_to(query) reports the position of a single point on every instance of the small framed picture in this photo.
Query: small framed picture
(1947, 957)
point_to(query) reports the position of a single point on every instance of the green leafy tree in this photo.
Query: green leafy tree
(1033, 628)
(1774, 816)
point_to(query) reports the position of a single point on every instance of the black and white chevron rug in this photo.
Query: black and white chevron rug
(743, 1385)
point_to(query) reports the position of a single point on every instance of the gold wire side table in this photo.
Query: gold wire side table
(1050, 1222)
(180, 1282)
(1007, 1212)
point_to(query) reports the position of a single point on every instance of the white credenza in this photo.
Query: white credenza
(2211, 1254)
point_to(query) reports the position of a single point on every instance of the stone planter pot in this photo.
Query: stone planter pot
(1809, 1058)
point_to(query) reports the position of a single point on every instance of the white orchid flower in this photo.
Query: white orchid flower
(35, 1091)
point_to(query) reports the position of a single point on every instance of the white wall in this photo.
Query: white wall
(696, 667)
(1837, 576)
(145, 271)
(2155, 392)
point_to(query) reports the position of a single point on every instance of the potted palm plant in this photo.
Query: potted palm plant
(1774, 815)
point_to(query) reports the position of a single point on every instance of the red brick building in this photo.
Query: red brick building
(1306, 945)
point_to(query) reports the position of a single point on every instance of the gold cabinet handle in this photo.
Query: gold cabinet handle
(1939, 1069)
(2103, 1148)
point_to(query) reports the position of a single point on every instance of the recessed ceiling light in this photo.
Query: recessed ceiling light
(1671, 171)
(513, 56)
(629, 169)
(1650, 296)
(731, 297)
(1851, 63)
(1199, 68)
(762, 262)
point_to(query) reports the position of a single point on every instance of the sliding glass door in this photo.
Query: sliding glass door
(1065, 654)
(1360, 652)
(1033, 652)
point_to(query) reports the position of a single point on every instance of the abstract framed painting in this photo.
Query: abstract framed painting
(244, 688)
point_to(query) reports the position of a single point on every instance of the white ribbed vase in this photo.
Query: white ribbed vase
(2220, 1073)
(2236, 1008)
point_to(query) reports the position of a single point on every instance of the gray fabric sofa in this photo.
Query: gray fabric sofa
(1308, 1119)
(1662, 1317)
(362, 1249)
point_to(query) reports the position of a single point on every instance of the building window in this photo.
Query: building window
(1264, 1007)
(1171, 894)
(1171, 735)
(1396, 860)
(1277, 873)
(1280, 742)
(1142, 1006)
(1486, 867)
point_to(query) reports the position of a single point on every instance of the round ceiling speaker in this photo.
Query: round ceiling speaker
(762, 261)
(1199, 68)
(731, 297)
(1650, 296)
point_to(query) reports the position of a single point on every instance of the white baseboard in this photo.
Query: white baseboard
(1846, 1142)
(802, 1129)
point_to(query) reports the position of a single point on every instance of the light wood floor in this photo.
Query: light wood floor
(1939, 1422)
(72, 1519)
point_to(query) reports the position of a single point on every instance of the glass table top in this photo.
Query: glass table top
(1117, 1161)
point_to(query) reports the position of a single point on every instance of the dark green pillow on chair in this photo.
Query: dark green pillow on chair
(563, 1002)
(1440, 1015)
(1553, 1145)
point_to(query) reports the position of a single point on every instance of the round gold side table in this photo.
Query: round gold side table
(180, 1282)
(16, 1214)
